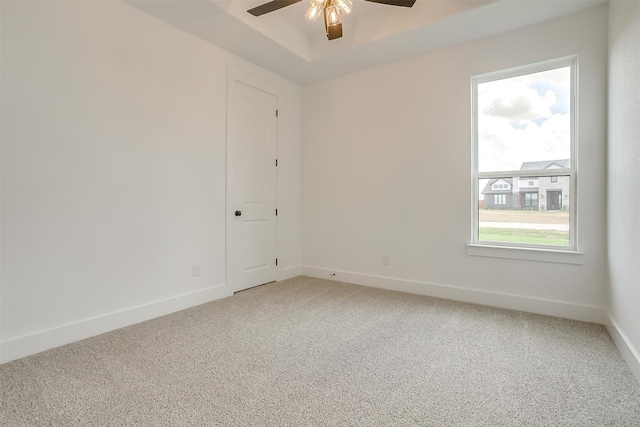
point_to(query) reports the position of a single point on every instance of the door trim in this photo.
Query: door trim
(236, 74)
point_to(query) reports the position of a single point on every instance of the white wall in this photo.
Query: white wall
(386, 170)
(624, 179)
(113, 171)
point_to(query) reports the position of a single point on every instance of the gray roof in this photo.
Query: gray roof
(545, 164)
(526, 166)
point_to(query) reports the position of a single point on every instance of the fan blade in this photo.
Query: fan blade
(271, 6)
(404, 3)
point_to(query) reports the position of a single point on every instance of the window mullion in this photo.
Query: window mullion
(524, 173)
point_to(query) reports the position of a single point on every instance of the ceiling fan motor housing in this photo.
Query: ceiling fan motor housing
(334, 31)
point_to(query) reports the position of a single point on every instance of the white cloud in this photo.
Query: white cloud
(516, 123)
(515, 100)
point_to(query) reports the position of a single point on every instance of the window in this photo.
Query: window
(531, 201)
(500, 186)
(523, 133)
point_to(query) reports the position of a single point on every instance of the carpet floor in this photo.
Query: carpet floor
(312, 352)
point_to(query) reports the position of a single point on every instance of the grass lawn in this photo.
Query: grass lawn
(519, 235)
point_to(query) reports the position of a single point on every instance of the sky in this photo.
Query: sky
(524, 118)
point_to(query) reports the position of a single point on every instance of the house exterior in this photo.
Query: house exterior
(498, 194)
(530, 193)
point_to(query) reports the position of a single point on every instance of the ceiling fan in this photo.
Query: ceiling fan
(331, 9)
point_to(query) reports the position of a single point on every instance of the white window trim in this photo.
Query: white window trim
(562, 254)
(525, 253)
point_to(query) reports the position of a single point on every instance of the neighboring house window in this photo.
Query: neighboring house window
(531, 201)
(500, 186)
(523, 131)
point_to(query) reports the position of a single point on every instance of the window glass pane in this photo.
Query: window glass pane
(523, 214)
(525, 120)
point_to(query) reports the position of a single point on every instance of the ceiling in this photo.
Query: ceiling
(285, 43)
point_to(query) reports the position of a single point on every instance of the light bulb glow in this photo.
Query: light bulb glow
(313, 12)
(332, 15)
(344, 6)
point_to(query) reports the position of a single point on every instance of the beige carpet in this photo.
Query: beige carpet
(310, 352)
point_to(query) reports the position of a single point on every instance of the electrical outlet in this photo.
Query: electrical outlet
(385, 259)
(196, 270)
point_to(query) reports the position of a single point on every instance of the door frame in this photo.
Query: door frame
(234, 73)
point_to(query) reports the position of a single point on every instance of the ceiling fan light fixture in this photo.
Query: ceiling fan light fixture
(331, 9)
(331, 15)
(313, 11)
(344, 6)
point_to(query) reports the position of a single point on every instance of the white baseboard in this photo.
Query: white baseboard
(289, 272)
(531, 305)
(26, 345)
(629, 354)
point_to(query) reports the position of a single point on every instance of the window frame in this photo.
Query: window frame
(523, 250)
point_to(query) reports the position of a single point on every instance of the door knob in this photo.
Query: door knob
(238, 213)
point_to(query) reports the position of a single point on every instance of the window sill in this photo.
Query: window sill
(527, 254)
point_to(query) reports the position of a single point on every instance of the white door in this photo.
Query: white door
(251, 182)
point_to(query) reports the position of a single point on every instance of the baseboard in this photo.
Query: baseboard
(629, 354)
(26, 345)
(289, 272)
(494, 299)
